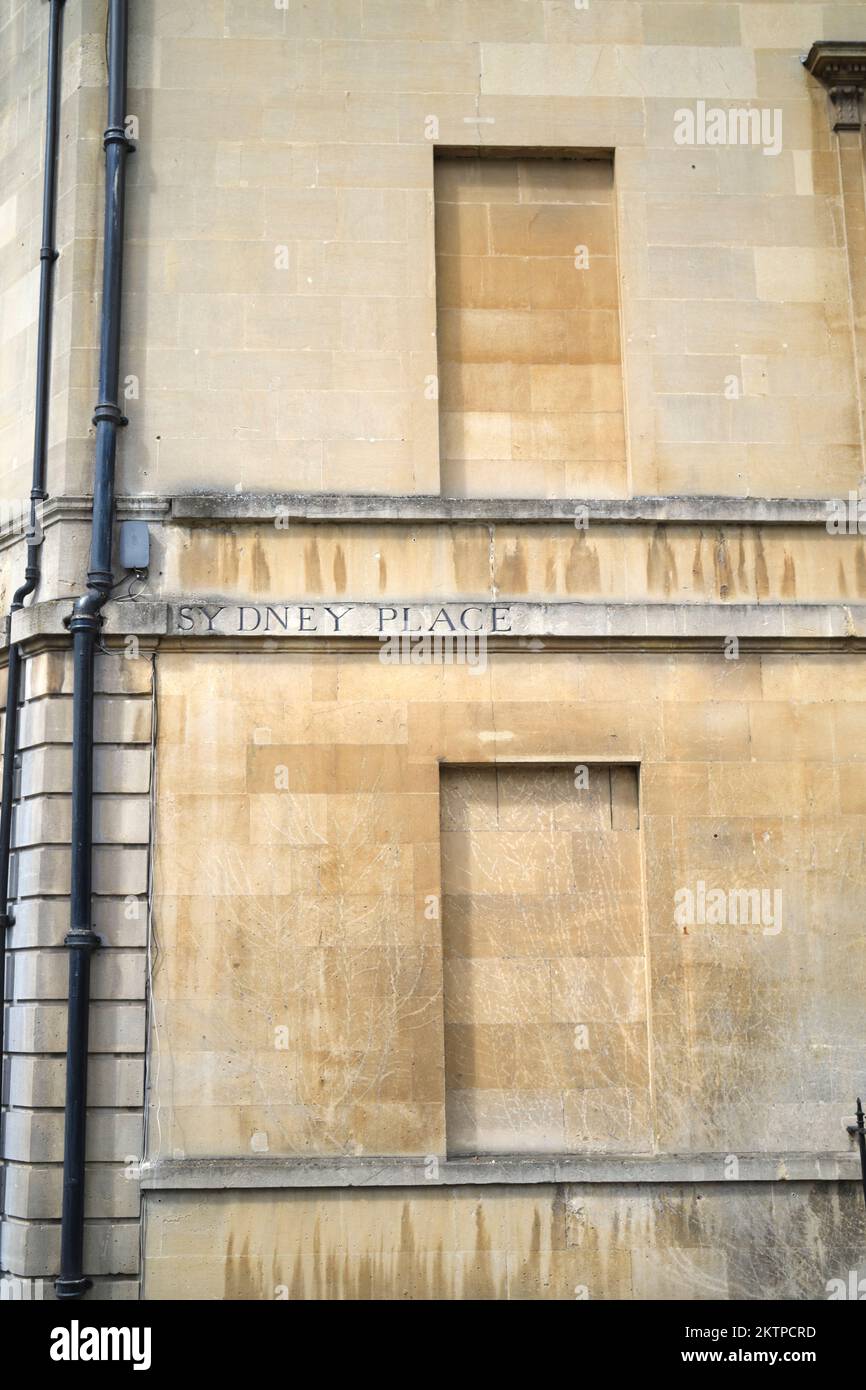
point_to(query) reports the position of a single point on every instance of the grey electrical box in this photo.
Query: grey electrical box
(134, 545)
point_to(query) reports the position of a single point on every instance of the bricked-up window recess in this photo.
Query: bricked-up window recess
(530, 374)
(544, 961)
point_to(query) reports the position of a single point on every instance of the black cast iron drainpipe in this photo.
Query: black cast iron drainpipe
(48, 254)
(858, 1132)
(84, 624)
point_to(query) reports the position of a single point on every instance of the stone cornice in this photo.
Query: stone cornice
(212, 508)
(205, 507)
(226, 1173)
(79, 509)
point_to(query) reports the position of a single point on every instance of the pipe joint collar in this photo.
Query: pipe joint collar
(107, 410)
(83, 621)
(86, 940)
(116, 135)
(71, 1288)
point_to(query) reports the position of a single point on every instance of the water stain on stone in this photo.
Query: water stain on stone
(228, 560)
(228, 555)
(768, 1243)
(312, 567)
(860, 569)
(439, 1289)
(339, 570)
(583, 569)
(383, 574)
(742, 580)
(208, 561)
(512, 568)
(698, 581)
(480, 1279)
(261, 568)
(722, 567)
(535, 1236)
(789, 578)
(482, 1235)
(762, 578)
(317, 1281)
(296, 1288)
(661, 565)
(369, 1281)
(470, 551)
(229, 1271)
(407, 1234)
(243, 1277)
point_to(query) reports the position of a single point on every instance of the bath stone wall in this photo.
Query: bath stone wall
(280, 273)
(612, 563)
(544, 960)
(530, 373)
(299, 984)
(575, 1241)
(38, 972)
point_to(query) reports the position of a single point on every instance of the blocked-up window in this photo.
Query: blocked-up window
(530, 377)
(545, 966)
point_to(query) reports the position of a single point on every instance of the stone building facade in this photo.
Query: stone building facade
(525, 963)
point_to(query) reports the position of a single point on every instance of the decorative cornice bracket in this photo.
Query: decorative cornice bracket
(841, 68)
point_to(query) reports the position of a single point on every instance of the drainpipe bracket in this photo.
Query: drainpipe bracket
(48, 253)
(71, 1288)
(7, 920)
